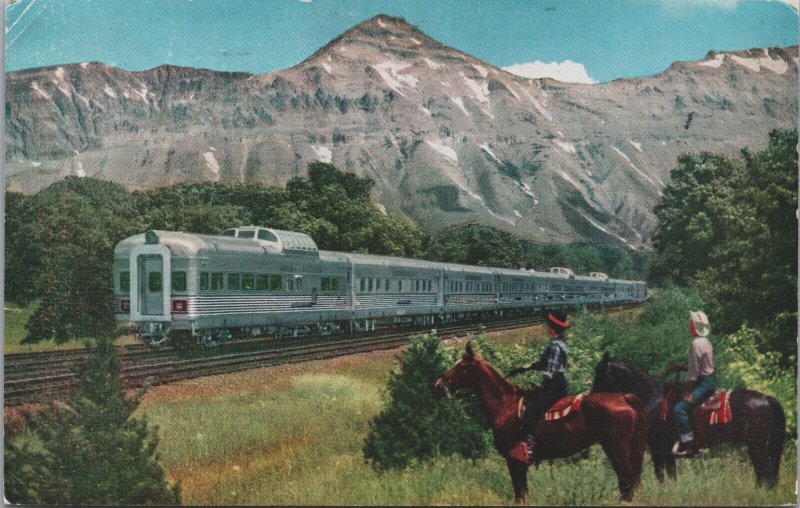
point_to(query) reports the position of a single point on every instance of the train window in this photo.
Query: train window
(125, 282)
(274, 282)
(247, 282)
(363, 284)
(229, 232)
(154, 281)
(204, 281)
(262, 282)
(298, 283)
(334, 284)
(263, 234)
(369, 284)
(416, 285)
(386, 284)
(290, 285)
(179, 281)
(217, 281)
(246, 234)
(233, 281)
(325, 284)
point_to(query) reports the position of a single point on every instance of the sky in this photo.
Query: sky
(571, 40)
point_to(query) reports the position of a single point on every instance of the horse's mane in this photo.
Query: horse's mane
(502, 379)
(642, 384)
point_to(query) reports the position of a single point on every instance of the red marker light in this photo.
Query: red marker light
(125, 306)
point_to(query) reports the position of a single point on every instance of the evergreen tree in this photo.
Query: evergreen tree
(413, 426)
(95, 453)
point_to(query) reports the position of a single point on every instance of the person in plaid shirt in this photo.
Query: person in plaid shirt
(553, 364)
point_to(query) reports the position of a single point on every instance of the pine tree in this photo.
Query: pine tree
(414, 426)
(95, 453)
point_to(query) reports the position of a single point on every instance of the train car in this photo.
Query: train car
(181, 288)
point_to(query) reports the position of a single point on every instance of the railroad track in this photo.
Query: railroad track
(36, 377)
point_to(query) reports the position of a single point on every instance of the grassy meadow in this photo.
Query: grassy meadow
(14, 320)
(293, 435)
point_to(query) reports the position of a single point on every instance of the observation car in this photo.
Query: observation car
(182, 288)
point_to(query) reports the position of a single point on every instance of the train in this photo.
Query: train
(184, 289)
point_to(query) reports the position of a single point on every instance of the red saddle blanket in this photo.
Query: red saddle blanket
(717, 407)
(563, 407)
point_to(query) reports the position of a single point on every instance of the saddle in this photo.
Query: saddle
(561, 408)
(715, 409)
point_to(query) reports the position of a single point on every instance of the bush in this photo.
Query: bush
(660, 336)
(92, 453)
(741, 365)
(413, 426)
(652, 340)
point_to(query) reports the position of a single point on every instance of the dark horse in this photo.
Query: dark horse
(757, 420)
(615, 421)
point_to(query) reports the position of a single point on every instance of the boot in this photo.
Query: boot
(684, 449)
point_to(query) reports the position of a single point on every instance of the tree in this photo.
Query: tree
(94, 453)
(476, 244)
(22, 255)
(75, 224)
(197, 218)
(727, 227)
(413, 426)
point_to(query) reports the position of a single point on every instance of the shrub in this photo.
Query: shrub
(741, 365)
(651, 340)
(92, 453)
(413, 426)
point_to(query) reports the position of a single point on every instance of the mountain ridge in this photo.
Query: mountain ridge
(446, 136)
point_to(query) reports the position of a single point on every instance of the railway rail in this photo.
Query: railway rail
(37, 377)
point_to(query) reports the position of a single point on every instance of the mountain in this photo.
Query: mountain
(446, 137)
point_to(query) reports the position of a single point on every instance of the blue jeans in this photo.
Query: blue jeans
(554, 389)
(702, 389)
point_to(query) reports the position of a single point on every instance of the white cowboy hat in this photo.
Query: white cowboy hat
(700, 321)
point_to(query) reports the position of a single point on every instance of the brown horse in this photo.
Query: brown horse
(757, 420)
(615, 421)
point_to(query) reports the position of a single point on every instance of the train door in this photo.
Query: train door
(151, 284)
(150, 268)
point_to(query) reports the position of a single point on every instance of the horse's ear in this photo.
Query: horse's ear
(469, 353)
(606, 357)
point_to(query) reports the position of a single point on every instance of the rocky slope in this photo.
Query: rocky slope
(446, 137)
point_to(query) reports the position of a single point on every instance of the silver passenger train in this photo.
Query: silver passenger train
(182, 288)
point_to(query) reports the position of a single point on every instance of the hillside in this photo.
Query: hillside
(447, 137)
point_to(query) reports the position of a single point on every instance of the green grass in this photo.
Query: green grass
(15, 319)
(300, 443)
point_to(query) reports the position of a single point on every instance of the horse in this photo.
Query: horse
(616, 421)
(757, 420)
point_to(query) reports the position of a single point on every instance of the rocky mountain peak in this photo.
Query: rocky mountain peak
(447, 137)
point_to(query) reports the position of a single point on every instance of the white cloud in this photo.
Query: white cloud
(567, 71)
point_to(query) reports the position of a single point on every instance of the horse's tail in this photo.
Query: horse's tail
(777, 437)
(639, 437)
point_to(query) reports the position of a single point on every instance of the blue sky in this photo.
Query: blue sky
(603, 39)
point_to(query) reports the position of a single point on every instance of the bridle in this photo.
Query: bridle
(451, 396)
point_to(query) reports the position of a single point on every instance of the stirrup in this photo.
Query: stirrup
(680, 451)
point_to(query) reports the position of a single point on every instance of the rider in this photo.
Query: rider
(701, 374)
(553, 364)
